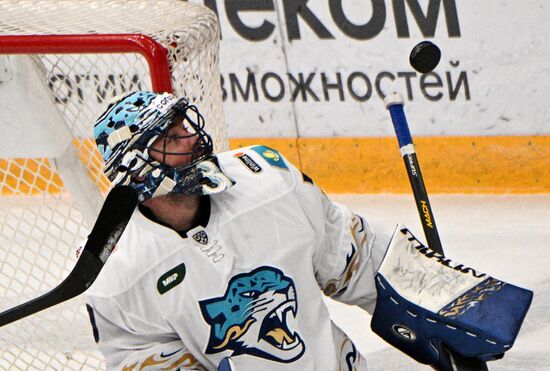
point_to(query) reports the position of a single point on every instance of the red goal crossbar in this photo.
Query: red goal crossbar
(154, 53)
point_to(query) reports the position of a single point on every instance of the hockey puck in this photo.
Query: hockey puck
(425, 56)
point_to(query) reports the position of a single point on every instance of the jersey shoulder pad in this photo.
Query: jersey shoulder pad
(257, 162)
(261, 174)
(257, 158)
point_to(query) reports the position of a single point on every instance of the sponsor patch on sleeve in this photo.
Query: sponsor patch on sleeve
(249, 162)
(171, 279)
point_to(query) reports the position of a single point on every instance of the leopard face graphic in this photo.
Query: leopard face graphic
(252, 317)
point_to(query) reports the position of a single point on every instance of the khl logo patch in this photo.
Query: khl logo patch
(201, 237)
(251, 317)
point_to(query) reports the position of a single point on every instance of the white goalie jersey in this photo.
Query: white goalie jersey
(247, 284)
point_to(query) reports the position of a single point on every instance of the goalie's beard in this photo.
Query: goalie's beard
(188, 210)
(174, 199)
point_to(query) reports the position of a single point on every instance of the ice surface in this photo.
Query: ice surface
(506, 236)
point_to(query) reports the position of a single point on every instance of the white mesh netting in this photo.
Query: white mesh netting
(40, 226)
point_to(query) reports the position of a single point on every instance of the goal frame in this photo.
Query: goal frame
(154, 53)
(61, 63)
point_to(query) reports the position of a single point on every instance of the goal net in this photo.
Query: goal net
(61, 62)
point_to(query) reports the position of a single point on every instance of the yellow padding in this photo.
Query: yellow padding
(33, 176)
(356, 165)
(23, 177)
(89, 154)
(500, 164)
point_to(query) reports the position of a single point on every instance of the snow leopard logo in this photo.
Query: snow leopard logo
(252, 317)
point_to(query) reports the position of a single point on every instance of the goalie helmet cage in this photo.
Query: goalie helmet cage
(61, 62)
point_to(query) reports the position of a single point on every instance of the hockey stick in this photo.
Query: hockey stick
(111, 222)
(394, 104)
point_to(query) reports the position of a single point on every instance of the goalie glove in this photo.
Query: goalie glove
(427, 302)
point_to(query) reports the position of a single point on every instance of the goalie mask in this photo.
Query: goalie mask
(125, 134)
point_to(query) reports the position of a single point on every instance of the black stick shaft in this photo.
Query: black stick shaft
(75, 284)
(113, 218)
(394, 104)
(415, 175)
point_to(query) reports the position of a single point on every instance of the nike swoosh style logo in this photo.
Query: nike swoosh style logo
(170, 354)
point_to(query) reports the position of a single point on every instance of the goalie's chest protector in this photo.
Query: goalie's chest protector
(244, 283)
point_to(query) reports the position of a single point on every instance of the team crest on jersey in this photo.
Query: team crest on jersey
(272, 157)
(201, 237)
(252, 317)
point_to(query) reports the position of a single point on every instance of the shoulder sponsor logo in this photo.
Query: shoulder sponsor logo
(249, 162)
(171, 279)
(271, 156)
(404, 333)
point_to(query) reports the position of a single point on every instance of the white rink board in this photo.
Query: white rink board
(502, 48)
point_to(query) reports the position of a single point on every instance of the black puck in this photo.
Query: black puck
(425, 56)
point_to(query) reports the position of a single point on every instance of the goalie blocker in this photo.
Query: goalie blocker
(427, 302)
